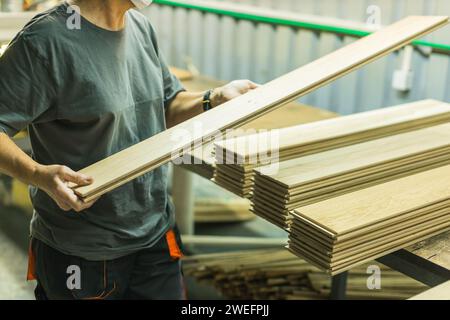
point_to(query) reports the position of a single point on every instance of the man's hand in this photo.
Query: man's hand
(187, 105)
(230, 91)
(54, 181)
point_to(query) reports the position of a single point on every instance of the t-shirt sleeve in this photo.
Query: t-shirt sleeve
(26, 88)
(172, 85)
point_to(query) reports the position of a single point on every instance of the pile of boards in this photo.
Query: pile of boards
(277, 274)
(345, 231)
(357, 187)
(314, 178)
(237, 158)
(215, 211)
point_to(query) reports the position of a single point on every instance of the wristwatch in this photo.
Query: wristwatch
(207, 100)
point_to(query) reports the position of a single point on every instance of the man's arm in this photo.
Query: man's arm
(51, 179)
(187, 105)
(27, 89)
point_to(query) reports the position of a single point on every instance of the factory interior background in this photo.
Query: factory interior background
(211, 48)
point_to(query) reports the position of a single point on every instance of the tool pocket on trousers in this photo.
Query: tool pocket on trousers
(89, 280)
(172, 245)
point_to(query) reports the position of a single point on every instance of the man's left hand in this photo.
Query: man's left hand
(230, 91)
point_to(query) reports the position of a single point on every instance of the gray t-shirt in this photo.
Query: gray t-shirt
(85, 95)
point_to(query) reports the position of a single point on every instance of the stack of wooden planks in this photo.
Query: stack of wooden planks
(309, 179)
(237, 158)
(216, 211)
(160, 149)
(340, 233)
(202, 160)
(277, 274)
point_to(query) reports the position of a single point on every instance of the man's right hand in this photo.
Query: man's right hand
(54, 181)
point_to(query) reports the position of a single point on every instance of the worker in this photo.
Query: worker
(86, 93)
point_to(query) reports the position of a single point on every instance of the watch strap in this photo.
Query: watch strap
(207, 100)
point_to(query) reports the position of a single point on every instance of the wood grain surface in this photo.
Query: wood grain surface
(236, 174)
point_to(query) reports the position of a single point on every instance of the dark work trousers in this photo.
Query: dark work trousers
(153, 274)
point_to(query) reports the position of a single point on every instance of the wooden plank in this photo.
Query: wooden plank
(344, 267)
(262, 199)
(414, 209)
(365, 207)
(128, 164)
(290, 197)
(203, 160)
(383, 152)
(435, 250)
(318, 177)
(371, 124)
(400, 218)
(380, 241)
(441, 292)
(278, 274)
(322, 136)
(227, 241)
(332, 245)
(215, 211)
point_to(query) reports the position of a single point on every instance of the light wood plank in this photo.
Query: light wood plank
(441, 292)
(382, 152)
(390, 120)
(318, 177)
(277, 274)
(322, 136)
(414, 208)
(365, 207)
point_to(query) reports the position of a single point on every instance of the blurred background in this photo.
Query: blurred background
(213, 46)
(228, 48)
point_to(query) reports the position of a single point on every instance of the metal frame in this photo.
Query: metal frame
(403, 261)
(416, 267)
(339, 286)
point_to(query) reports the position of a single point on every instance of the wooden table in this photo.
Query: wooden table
(427, 261)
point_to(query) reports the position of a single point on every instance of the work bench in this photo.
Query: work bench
(427, 261)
